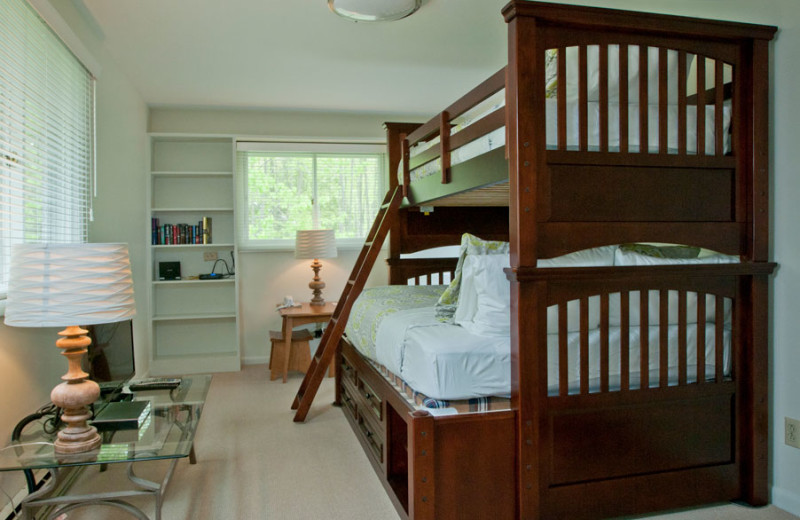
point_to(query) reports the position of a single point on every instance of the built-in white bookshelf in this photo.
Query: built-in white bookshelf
(193, 323)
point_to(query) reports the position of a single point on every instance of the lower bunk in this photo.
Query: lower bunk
(674, 429)
(463, 466)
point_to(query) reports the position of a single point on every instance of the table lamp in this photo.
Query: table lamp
(69, 285)
(316, 244)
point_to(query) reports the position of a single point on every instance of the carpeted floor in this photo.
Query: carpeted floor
(255, 463)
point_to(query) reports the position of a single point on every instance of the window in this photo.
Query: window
(284, 187)
(46, 135)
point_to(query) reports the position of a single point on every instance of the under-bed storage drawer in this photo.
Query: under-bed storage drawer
(364, 407)
(347, 370)
(373, 436)
(348, 401)
(374, 404)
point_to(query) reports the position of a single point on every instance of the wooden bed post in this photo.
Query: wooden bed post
(526, 145)
(756, 439)
(421, 471)
(395, 135)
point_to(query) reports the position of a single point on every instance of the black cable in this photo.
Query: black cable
(227, 268)
(53, 422)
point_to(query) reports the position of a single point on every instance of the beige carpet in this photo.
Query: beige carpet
(255, 463)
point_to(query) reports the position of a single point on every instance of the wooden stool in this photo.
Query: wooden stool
(299, 353)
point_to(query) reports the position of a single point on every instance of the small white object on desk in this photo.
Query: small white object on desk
(288, 302)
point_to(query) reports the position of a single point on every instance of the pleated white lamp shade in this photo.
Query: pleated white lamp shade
(315, 243)
(60, 285)
(374, 10)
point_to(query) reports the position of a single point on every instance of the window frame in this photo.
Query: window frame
(328, 147)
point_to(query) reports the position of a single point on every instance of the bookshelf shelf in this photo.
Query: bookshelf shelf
(193, 246)
(193, 324)
(194, 281)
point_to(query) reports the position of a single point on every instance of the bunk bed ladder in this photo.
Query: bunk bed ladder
(335, 329)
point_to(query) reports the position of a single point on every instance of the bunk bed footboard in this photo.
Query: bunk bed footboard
(669, 413)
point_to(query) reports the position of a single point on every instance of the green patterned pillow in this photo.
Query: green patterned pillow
(661, 251)
(470, 245)
(551, 73)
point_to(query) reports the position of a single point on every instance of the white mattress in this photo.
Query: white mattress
(497, 138)
(444, 361)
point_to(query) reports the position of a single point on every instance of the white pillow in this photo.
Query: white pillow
(594, 257)
(629, 258)
(574, 315)
(654, 307)
(492, 316)
(468, 295)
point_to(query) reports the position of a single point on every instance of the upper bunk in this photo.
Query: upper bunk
(605, 127)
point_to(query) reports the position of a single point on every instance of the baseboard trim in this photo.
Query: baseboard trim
(255, 360)
(786, 500)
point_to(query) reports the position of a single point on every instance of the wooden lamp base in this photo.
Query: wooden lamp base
(75, 395)
(316, 285)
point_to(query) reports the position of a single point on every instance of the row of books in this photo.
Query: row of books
(181, 234)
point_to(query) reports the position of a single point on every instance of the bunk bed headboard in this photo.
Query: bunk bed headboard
(624, 188)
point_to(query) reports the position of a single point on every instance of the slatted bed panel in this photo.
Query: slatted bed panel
(671, 92)
(421, 271)
(710, 88)
(648, 315)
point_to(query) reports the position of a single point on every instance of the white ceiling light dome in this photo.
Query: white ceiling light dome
(374, 10)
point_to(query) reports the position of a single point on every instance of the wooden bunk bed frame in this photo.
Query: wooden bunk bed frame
(619, 451)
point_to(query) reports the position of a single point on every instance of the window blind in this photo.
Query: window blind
(285, 187)
(46, 135)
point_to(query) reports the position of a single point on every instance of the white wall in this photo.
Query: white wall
(30, 365)
(266, 277)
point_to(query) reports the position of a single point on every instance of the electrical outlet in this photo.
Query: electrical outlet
(792, 432)
(210, 256)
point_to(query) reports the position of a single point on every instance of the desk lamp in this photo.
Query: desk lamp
(316, 244)
(69, 285)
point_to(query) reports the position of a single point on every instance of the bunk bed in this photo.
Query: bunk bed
(593, 424)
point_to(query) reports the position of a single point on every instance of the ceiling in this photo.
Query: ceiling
(298, 55)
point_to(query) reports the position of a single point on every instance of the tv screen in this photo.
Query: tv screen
(110, 357)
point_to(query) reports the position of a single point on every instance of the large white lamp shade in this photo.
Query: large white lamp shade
(68, 285)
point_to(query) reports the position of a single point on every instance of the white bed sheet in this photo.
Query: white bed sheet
(444, 361)
(497, 138)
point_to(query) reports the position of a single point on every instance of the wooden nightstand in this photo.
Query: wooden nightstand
(294, 317)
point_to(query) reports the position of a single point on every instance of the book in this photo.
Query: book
(122, 415)
(206, 222)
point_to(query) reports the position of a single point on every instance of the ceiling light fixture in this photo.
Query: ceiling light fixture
(374, 10)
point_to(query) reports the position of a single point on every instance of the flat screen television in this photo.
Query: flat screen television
(110, 359)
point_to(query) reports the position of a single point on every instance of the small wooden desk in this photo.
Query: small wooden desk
(294, 317)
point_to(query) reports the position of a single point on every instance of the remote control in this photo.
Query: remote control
(155, 383)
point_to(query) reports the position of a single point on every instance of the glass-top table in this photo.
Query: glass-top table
(167, 432)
